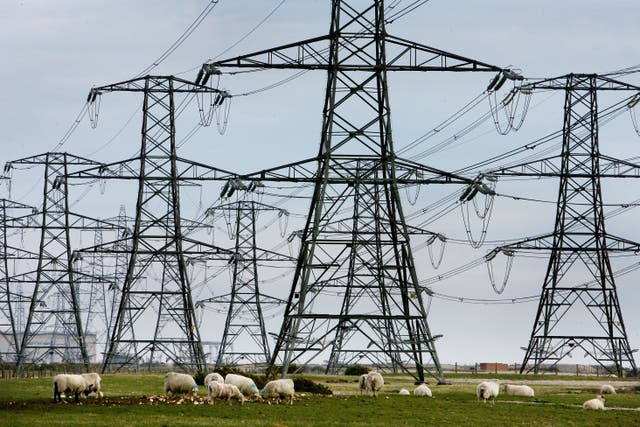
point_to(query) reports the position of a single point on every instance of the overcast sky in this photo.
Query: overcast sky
(55, 51)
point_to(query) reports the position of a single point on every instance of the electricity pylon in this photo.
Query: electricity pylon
(579, 308)
(156, 320)
(245, 338)
(12, 299)
(53, 285)
(355, 295)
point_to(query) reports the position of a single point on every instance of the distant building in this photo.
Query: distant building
(48, 347)
(493, 367)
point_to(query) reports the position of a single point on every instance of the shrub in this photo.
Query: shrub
(303, 384)
(356, 370)
(199, 377)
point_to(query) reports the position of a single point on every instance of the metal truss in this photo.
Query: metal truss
(355, 295)
(245, 339)
(579, 285)
(155, 321)
(12, 300)
(52, 286)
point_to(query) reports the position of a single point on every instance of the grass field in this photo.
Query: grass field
(133, 399)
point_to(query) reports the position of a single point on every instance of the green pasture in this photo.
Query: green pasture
(137, 400)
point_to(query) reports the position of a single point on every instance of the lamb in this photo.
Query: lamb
(594, 404)
(362, 382)
(374, 382)
(70, 383)
(404, 392)
(283, 388)
(218, 390)
(519, 390)
(214, 376)
(246, 385)
(175, 382)
(94, 379)
(607, 389)
(423, 391)
(488, 390)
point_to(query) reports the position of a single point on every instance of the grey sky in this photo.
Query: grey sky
(54, 51)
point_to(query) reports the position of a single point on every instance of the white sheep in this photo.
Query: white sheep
(488, 390)
(423, 391)
(94, 379)
(246, 385)
(607, 389)
(214, 376)
(218, 390)
(374, 382)
(70, 384)
(279, 389)
(404, 392)
(595, 404)
(175, 382)
(519, 390)
(362, 383)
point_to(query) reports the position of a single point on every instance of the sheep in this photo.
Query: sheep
(607, 389)
(362, 382)
(246, 385)
(94, 379)
(594, 404)
(70, 383)
(422, 390)
(374, 382)
(213, 377)
(175, 382)
(519, 390)
(283, 388)
(404, 392)
(218, 390)
(488, 390)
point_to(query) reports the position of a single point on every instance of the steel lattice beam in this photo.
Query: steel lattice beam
(244, 339)
(156, 289)
(355, 255)
(579, 244)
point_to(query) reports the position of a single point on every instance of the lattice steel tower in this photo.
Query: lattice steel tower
(355, 296)
(579, 308)
(156, 320)
(54, 306)
(245, 339)
(12, 299)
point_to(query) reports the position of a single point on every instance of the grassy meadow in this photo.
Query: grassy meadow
(137, 400)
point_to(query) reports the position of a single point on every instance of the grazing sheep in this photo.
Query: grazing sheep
(423, 391)
(214, 376)
(218, 390)
(404, 392)
(374, 382)
(488, 390)
(175, 382)
(246, 385)
(94, 379)
(594, 404)
(362, 382)
(282, 388)
(607, 389)
(70, 383)
(519, 390)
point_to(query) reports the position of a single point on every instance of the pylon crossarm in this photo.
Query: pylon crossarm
(406, 55)
(126, 169)
(346, 168)
(140, 85)
(52, 159)
(313, 54)
(578, 82)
